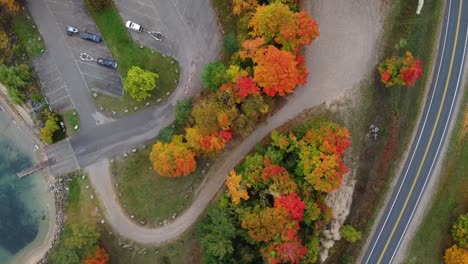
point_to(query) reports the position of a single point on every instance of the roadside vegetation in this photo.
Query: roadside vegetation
(393, 110)
(274, 209)
(71, 119)
(83, 213)
(129, 54)
(449, 201)
(20, 41)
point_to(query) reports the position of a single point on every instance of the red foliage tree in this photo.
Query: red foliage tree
(293, 203)
(400, 71)
(411, 70)
(246, 86)
(99, 256)
(276, 71)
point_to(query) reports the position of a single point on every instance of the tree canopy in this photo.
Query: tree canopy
(139, 83)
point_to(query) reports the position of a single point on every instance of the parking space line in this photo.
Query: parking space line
(99, 67)
(58, 89)
(100, 78)
(50, 71)
(60, 99)
(144, 4)
(82, 78)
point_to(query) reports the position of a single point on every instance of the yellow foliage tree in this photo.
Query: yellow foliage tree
(456, 255)
(237, 190)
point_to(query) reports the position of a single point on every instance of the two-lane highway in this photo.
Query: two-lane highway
(430, 136)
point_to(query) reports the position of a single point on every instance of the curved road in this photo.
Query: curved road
(430, 136)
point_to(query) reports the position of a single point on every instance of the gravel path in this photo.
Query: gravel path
(338, 60)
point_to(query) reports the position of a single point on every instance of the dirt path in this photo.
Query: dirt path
(338, 60)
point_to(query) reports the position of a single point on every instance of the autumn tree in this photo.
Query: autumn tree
(400, 71)
(139, 83)
(293, 203)
(236, 189)
(205, 114)
(276, 71)
(263, 226)
(99, 256)
(276, 22)
(456, 255)
(320, 156)
(12, 5)
(240, 6)
(246, 86)
(460, 231)
(290, 252)
(350, 234)
(173, 159)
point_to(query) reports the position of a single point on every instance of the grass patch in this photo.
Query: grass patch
(71, 120)
(84, 210)
(128, 53)
(449, 201)
(148, 196)
(27, 33)
(393, 110)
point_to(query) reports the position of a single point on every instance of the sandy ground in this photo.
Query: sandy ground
(343, 55)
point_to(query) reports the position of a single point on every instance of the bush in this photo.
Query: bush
(460, 231)
(5, 47)
(50, 127)
(165, 134)
(16, 79)
(350, 234)
(98, 5)
(183, 109)
(139, 83)
(230, 43)
(214, 75)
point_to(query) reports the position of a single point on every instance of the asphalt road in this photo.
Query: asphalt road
(430, 137)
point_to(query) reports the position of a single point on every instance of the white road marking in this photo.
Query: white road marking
(419, 138)
(58, 89)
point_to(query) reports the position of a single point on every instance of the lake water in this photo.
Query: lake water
(24, 212)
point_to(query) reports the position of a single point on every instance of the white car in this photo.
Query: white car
(133, 26)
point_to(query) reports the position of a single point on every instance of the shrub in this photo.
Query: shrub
(460, 231)
(350, 234)
(16, 79)
(214, 75)
(165, 134)
(5, 47)
(98, 5)
(183, 109)
(230, 43)
(50, 127)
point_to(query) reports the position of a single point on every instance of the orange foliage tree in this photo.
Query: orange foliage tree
(11, 4)
(456, 255)
(99, 256)
(276, 71)
(174, 158)
(240, 6)
(265, 225)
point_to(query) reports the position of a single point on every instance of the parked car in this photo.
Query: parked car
(71, 30)
(133, 26)
(91, 37)
(107, 62)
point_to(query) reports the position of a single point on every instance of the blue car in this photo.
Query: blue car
(91, 37)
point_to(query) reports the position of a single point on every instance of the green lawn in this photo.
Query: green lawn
(129, 53)
(448, 202)
(82, 209)
(148, 196)
(71, 119)
(27, 33)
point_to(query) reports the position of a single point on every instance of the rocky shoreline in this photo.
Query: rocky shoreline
(60, 190)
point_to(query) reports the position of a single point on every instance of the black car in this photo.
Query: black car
(106, 62)
(91, 37)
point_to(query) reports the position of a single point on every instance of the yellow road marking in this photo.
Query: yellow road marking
(430, 138)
